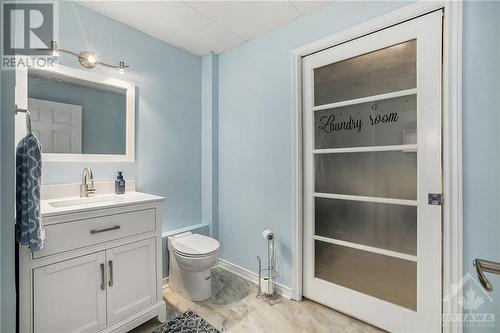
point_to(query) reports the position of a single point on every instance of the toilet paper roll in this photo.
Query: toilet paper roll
(267, 234)
(266, 286)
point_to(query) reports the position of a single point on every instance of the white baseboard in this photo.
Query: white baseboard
(251, 276)
(244, 273)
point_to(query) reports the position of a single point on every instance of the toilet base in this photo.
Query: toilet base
(190, 275)
(195, 286)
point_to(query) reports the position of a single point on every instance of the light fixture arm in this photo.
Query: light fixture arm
(68, 52)
(86, 58)
(113, 66)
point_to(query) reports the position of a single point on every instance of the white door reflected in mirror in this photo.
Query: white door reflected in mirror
(57, 125)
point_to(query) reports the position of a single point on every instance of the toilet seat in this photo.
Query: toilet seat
(195, 256)
(195, 246)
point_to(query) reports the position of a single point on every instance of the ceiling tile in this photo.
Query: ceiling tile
(308, 6)
(201, 27)
(216, 39)
(247, 19)
(171, 21)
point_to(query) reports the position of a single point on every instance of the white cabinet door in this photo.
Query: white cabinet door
(131, 278)
(70, 296)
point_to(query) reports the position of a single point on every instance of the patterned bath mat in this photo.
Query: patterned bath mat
(188, 322)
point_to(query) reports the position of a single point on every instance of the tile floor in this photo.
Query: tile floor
(234, 308)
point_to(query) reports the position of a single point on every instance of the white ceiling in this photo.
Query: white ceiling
(201, 27)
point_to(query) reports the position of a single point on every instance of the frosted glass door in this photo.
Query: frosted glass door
(372, 153)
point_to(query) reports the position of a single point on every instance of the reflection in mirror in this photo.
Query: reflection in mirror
(74, 116)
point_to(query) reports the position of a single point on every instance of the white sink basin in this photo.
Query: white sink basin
(50, 207)
(85, 201)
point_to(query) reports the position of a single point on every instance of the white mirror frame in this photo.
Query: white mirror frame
(22, 103)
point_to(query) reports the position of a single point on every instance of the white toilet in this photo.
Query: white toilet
(191, 258)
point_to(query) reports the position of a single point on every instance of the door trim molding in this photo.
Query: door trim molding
(452, 138)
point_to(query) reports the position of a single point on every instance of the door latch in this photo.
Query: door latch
(435, 199)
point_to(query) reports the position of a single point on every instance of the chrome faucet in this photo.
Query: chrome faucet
(87, 190)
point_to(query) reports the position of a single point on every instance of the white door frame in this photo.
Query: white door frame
(452, 138)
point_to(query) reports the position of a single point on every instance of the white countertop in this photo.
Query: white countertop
(51, 207)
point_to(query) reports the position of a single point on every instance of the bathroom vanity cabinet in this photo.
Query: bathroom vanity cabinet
(99, 270)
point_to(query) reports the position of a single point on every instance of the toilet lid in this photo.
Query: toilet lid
(195, 244)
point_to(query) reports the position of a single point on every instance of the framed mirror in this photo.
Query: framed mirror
(77, 115)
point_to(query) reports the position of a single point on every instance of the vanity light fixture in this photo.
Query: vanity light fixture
(86, 58)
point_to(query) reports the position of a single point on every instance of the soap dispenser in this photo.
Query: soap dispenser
(120, 183)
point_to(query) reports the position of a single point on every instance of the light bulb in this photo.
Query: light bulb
(91, 58)
(121, 67)
(54, 48)
(87, 59)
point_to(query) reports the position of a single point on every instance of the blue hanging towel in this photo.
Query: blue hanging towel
(29, 226)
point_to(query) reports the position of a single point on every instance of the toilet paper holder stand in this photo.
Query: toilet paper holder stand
(267, 284)
(268, 275)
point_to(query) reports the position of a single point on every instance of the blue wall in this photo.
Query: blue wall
(255, 137)
(481, 143)
(168, 115)
(103, 112)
